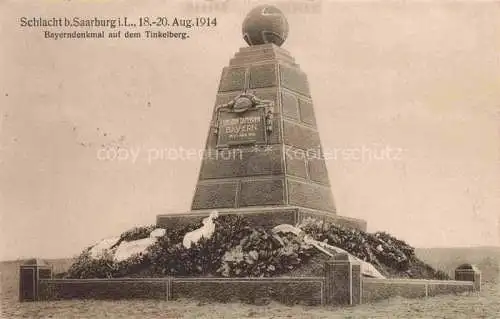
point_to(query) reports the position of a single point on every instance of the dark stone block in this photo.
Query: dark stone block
(262, 76)
(468, 272)
(465, 274)
(27, 284)
(310, 195)
(263, 160)
(238, 162)
(343, 281)
(300, 136)
(294, 79)
(318, 171)
(307, 112)
(233, 79)
(288, 291)
(214, 195)
(30, 274)
(290, 105)
(357, 285)
(269, 219)
(295, 162)
(261, 192)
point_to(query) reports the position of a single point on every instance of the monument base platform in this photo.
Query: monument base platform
(267, 217)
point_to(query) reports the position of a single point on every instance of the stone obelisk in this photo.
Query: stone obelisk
(263, 155)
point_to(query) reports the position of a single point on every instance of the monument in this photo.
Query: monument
(263, 155)
(263, 160)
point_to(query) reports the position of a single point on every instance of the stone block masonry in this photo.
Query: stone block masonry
(273, 171)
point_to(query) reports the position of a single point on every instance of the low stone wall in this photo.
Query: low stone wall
(113, 288)
(307, 291)
(379, 289)
(341, 284)
(287, 290)
(291, 290)
(435, 288)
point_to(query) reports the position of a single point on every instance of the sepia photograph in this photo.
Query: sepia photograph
(249, 159)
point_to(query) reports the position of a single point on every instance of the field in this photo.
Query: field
(485, 304)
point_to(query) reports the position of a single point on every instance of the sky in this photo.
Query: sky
(419, 78)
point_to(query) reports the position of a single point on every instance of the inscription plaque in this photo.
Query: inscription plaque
(241, 128)
(244, 120)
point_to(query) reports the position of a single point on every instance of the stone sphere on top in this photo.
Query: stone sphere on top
(265, 24)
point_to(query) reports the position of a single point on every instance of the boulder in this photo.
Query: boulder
(127, 249)
(367, 269)
(103, 247)
(158, 232)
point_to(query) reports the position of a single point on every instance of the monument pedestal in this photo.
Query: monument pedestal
(263, 157)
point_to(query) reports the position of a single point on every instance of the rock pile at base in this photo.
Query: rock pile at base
(235, 249)
(391, 256)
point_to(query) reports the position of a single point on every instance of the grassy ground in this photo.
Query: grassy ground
(485, 304)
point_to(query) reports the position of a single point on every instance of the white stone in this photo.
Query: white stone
(286, 228)
(206, 231)
(102, 247)
(158, 232)
(127, 249)
(367, 269)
